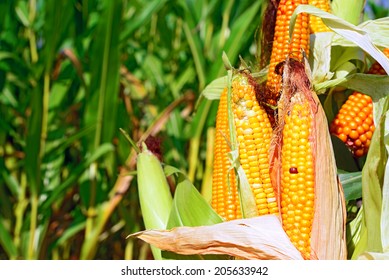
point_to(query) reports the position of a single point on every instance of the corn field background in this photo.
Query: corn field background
(73, 74)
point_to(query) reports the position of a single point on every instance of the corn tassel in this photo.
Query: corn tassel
(354, 123)
(316, 24)
(283, 48)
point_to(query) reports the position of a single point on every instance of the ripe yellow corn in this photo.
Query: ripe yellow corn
(253, 133)
(283, 48)
(354, 123)
(315, 23)
(298, 176)
(225, 198)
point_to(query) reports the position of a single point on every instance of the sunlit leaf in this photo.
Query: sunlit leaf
(197, 212)
(345, 29)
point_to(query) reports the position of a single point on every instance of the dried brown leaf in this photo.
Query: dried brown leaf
(254, 238)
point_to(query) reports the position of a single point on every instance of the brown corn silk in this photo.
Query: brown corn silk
(316, 24)
(354, 123)
(283, 47)
(304, 170)
(253, 133)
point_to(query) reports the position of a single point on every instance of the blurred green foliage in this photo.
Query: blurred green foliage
(71, 74)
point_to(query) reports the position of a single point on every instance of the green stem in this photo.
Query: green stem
(19, 211)
(31, 34)
(33, 223)
(45, 112)
(226, 19)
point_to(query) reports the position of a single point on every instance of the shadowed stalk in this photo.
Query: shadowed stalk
(31, 34)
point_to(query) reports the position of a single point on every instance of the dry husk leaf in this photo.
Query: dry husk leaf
(252, 238)
(328, 240)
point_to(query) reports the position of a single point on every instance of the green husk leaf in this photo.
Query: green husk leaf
(247, 200)
(373, 175)
(320, 62)
(345, 29)
(154, 193)
(214, 89)
(385, 195)
(353, 232)
(341, 8)
(377, 29)
(196, 213)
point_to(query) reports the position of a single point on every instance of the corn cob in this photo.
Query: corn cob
(297, 175)
(354, 123)
(253, 133)
(304, 172)
(225, 199)
(282, 48)
(315, 23)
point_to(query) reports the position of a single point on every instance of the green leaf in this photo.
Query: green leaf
(144, 16)
(33, 143)
(101, 104)
(190, 208)
(75, 175)
(352, 184)
(6, 241)
(238, 37)
(353, 233)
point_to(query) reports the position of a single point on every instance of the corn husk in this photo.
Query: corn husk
(328, 240)
(252, 238)
(154, 193)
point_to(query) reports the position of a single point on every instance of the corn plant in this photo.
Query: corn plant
(187, 84)
(72, 73)
(313, 207)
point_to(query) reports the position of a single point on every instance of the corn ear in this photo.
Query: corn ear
(283, 47)
(354, 123)
(253, 133)
(316, 24)
(154, 193)
(314, 213)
